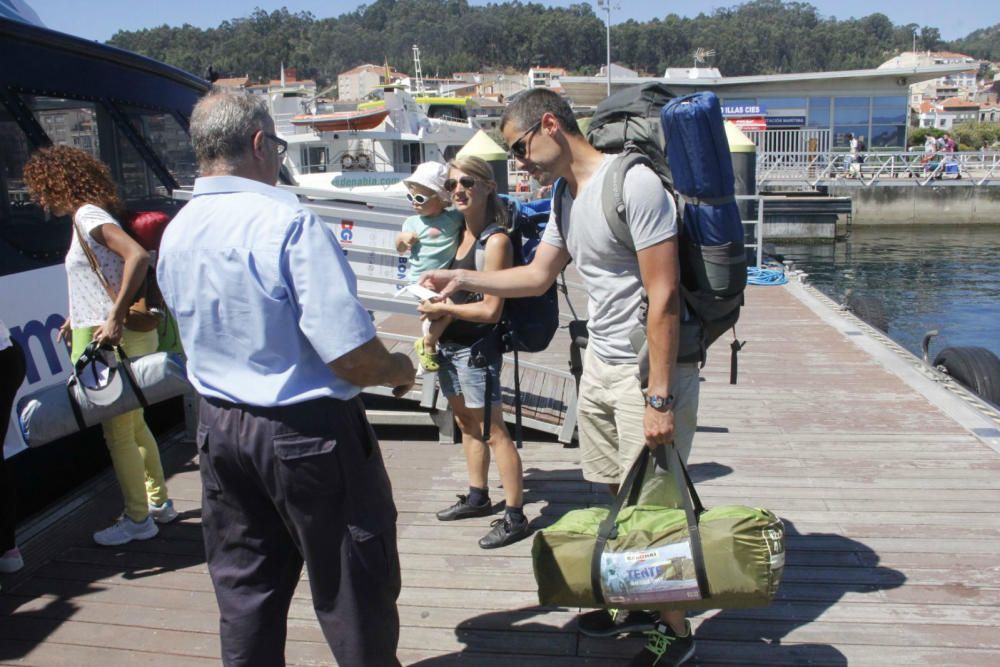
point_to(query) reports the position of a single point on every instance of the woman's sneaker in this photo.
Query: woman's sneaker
(11, 561)
(164, 513)
(505, 531)
(428, 360)
(125, 530)
(611, 622)
(664, 648)
(463, 509)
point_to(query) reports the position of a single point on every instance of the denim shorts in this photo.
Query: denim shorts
(457, 378)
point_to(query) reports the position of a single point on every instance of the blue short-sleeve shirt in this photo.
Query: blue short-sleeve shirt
(262, 293)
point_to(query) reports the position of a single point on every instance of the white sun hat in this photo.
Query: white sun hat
(432, 176)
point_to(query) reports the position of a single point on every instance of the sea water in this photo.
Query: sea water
(941, 277)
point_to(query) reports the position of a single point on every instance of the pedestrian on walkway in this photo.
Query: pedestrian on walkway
(12, 370)
(615, 417)
(473, 388)
(105, 270)
(279, 348)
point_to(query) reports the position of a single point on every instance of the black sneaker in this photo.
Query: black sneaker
(504, 532)
(664, 648)
(463, 510)
(611, 622)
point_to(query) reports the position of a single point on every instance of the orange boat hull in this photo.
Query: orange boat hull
(343, 120)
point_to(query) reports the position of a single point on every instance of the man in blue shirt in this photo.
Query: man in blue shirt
(279, 348)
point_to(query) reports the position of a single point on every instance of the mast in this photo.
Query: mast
(418, 75)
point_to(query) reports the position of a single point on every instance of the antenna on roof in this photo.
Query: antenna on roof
(418, 75)
(701, 55)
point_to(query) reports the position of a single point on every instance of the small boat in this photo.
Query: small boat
(366, 119)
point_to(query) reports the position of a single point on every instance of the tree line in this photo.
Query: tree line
(756, 37)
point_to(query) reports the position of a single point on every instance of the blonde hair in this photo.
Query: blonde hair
(478, 168)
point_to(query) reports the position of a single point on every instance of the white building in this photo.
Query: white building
(545, 77)
(947, 114)
(357, 82)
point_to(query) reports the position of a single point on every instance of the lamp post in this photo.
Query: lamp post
(606, 6)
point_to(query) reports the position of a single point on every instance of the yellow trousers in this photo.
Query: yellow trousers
(134, 453)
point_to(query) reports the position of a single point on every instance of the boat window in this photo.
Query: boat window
(138, 180)
(27, 239)
(314, 159)
(67, 122)
(169, 141)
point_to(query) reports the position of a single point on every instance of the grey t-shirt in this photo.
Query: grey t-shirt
(610, 271)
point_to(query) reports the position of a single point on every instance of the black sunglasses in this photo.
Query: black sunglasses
(418, 198)
(468, 182)
(281, 144)
(519, 148)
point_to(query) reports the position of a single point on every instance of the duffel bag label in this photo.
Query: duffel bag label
(657, 574)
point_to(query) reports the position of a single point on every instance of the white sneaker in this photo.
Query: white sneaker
(125, 530)
(11, 561)
(164, 513)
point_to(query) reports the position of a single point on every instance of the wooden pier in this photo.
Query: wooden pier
(889, 487)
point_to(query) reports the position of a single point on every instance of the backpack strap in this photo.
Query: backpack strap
(492, 229)
(613, 194)
(557, 195)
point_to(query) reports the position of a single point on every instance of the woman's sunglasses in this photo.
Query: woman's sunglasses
(468, 182)
(417, 199)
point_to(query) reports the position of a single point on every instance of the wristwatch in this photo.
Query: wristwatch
(660, 403)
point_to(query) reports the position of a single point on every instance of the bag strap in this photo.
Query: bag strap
(628, 495)
(613, 193)
(92, 259)
(608, 529)
(126, 366)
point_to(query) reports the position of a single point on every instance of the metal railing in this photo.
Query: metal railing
(758, 225)
(815, 168)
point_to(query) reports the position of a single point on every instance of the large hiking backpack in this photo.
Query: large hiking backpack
(527, 324)
(683, 140)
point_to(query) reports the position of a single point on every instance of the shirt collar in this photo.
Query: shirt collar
(214, 185)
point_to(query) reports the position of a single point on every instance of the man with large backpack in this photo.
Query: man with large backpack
(615, 417)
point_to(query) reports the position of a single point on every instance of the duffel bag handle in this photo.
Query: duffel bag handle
(628, 494)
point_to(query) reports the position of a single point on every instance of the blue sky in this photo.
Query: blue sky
(100, 19)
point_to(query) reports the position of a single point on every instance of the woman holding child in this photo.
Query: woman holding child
(464, 378)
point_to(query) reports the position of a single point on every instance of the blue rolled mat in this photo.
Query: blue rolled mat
(697, 146)
(713, 225)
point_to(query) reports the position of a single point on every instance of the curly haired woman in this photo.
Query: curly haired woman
(68, 181)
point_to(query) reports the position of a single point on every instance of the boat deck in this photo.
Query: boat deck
(889, 499)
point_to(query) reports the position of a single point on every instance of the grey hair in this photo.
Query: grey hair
(222, 124)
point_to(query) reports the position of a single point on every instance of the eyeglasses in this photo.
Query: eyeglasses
(468, 182)
(519, 148)
(281, 144)
(417, 199)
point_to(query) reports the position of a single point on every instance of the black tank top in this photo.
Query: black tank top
(463, 332)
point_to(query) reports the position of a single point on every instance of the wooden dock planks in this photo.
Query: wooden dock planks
(889, 504)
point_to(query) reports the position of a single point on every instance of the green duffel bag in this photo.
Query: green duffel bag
(647, 557)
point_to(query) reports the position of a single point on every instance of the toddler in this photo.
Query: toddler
(431, 237)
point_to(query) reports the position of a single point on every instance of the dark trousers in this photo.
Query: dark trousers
(11, 377)
(293, 483)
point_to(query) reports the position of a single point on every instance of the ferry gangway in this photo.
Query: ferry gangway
(812, 169)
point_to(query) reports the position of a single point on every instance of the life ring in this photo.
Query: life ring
(975, 367)
(347, 161)
(870, 310)
(362, 161)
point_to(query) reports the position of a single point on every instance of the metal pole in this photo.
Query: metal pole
(607, 6)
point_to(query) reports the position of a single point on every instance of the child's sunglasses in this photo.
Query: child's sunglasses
(417, 199)
(468, 182)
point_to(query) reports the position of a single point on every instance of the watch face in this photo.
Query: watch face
(656, 402)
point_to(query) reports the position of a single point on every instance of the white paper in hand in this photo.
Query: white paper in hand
(417, 292)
